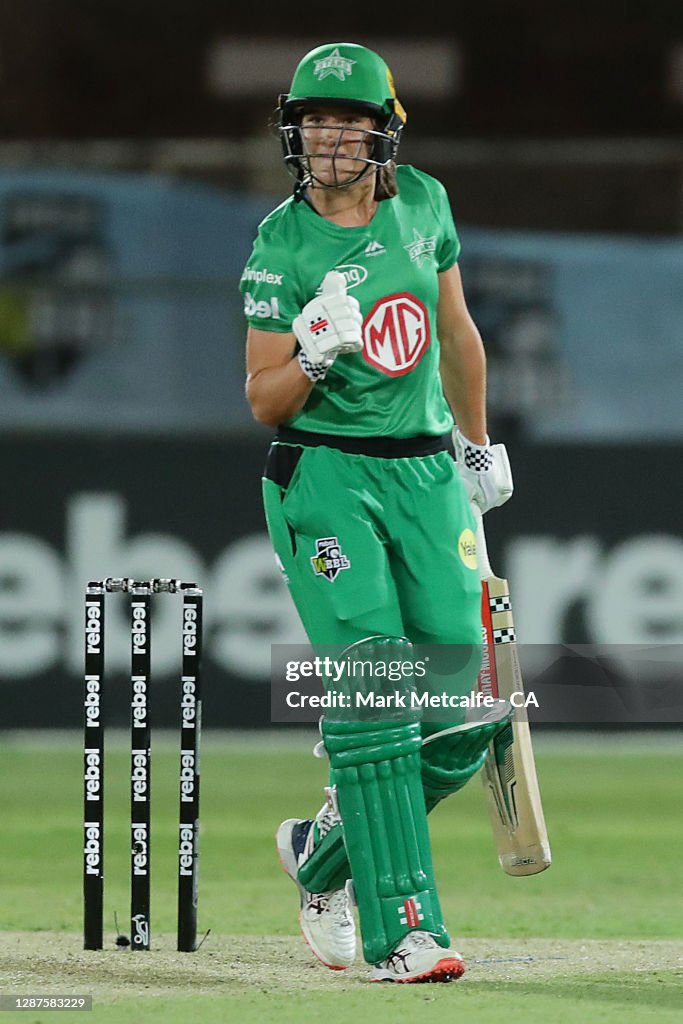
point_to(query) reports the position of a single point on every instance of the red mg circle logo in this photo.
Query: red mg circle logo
(396, 334)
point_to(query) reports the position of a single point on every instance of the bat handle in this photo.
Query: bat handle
(485, 569)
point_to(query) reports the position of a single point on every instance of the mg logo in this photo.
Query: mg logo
(396, 334)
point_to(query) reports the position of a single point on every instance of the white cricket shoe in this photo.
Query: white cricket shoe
(325, 917)
(419, 958)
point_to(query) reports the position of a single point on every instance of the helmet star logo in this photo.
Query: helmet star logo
(420, 249)
(333, 64)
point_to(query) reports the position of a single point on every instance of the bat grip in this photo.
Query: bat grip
(485, 569)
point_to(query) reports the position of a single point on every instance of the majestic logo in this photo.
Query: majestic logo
(420, 249)
(328, 560)
(374, 249)
(266, 309)
(396, 334)
(334, 64)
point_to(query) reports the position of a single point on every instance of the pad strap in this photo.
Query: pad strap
(451, 756)
(327, 867)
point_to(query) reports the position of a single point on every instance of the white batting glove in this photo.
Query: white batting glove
(485, 471)
(329, 325)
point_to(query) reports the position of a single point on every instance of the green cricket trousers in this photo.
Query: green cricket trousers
(374, 536)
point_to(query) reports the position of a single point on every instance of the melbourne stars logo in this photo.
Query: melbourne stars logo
(328, 560)
(420, 248)
(333, 64)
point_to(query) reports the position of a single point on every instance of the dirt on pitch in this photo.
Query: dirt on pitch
(54, 962)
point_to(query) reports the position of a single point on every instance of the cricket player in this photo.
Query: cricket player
(362, 354)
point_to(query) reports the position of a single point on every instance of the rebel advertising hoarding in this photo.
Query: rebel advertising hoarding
(590, 544)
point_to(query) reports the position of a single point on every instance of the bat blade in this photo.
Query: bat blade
(509, 773)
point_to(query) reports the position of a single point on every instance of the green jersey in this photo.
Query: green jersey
(392, 387)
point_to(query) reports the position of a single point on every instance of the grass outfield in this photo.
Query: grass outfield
(597, 938)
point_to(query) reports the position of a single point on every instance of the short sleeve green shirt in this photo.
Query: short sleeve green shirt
(392, 387)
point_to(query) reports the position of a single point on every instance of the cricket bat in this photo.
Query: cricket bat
(509, 773)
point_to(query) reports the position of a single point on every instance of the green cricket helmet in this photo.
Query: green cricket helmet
(348, 76)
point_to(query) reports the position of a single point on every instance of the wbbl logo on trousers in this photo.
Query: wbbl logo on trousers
(328, 560)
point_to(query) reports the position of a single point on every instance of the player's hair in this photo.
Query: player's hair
(386, 185)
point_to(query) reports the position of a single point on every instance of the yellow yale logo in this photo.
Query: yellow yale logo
(467, 548)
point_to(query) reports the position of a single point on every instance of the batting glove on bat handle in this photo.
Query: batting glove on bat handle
(330, 324)
(485, 471)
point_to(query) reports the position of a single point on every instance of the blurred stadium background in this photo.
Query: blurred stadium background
(135, 163)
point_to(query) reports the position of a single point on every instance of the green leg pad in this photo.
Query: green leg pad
(448, 762)
(451, 757)
(376, 769)
(328, 867)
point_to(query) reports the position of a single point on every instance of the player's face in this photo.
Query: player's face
(337, 144)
